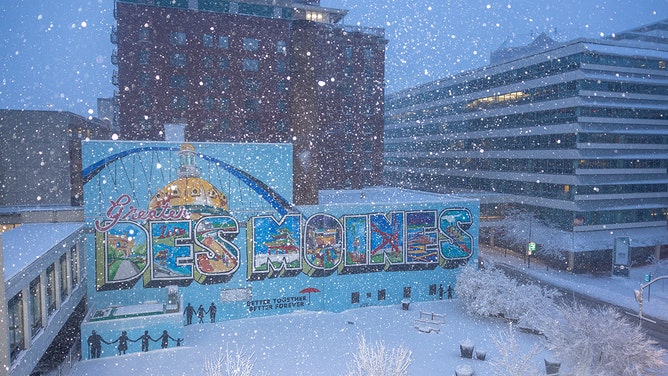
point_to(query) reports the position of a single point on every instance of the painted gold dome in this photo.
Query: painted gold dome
(189, 190)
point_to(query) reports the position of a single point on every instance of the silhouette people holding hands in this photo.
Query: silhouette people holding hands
(122, 342)
(165, 337)
(212, 312)
(189, 312)
(200, 314)
(144, 340)
(440, 292)
(95, 344)
(449, 292)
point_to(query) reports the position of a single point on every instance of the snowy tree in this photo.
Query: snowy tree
(490, 292)
(512, 360)
(599, 341)
(231, 363)
(377, 360)
(519, 227)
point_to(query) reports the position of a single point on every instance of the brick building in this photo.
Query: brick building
(256, 71)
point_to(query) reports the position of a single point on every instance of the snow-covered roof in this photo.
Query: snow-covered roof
(25, 244)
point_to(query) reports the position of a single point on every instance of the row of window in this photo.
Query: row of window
(539, 166)
(525, 119)
(523, 74)
(40, 300)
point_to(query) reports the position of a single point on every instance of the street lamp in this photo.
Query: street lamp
(639, 293)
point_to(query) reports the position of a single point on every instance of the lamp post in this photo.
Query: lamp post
(639, 293)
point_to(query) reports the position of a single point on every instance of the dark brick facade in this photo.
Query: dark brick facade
(262, 77)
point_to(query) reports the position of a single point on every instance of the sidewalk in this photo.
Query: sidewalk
(612, 289)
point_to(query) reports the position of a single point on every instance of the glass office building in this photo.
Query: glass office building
(575, 132)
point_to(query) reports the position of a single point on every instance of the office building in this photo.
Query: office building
(256, 71)
(574, 132)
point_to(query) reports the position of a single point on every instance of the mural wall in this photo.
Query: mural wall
(190, 233)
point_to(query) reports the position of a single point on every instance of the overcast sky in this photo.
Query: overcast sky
(56, 55)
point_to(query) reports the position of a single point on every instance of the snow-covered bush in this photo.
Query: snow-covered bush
(512, 360)
(490, 292)
(377, 360)
(231, 363)
(599, 341)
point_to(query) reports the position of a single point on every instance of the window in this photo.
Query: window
(35, 306)
(252, 125)
(145, 123)
(251, 85)
(251, 65)
(223, 42)
(224, 83)
(179, 102)
(281, 47)
(224, 124)
(207, 82)
(74, 261)
(16, 329)
(282, 106)
(223, 63)
(209, 124)
(281, 125)
(209, 104)
(250, 44)
(178, 81)
(355, 298)
(224, 104)
(207, 40)
(281, 86)
(177, 60)
(64, 272)
(145, 101)
(281, 67)
(144, 58)
(251, 105)
(349, 52)
(177, 38)
(207, 62)
(432, 289)
(144, 79)
(368, 53)
(381, 294)
(51, 289)
(144, 34)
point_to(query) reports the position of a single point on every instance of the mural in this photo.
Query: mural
(180, 226)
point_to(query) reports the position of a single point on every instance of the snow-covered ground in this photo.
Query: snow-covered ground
(323, 343)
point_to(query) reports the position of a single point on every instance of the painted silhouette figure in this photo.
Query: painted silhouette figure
(449, 292)
(200, 314)
(95, 344)
(123, 342)
(164, 338)
(212, 312)
(440, 292)
(144, 340)
(189, 312)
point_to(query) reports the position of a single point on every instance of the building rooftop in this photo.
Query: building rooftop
(25, 244)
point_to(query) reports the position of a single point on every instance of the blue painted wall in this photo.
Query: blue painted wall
(175, 224)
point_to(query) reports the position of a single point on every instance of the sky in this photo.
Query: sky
(56, 55)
